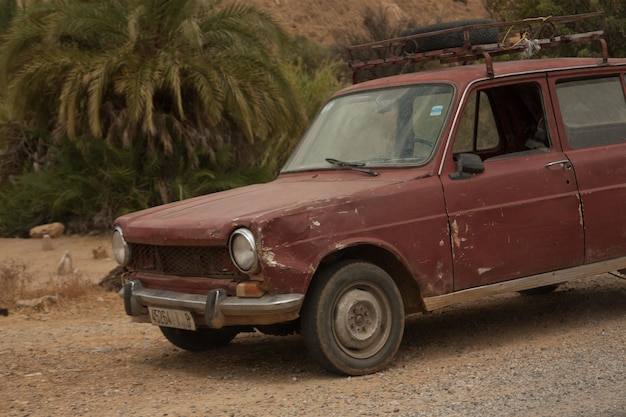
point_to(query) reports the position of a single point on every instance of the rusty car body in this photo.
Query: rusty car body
(407, 194)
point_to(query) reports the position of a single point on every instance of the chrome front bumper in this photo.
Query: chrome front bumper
(216, 307)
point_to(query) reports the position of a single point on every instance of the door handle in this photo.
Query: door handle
(565, 163)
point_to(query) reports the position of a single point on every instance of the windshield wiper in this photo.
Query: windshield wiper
(356, 166)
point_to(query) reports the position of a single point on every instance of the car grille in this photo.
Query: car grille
(196, 261)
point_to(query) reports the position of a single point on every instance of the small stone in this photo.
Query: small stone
(46, 243)
(100, 253)
(65, 266)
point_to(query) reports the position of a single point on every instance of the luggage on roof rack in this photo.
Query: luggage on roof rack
(465, 43)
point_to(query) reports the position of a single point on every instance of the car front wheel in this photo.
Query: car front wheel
(353, 318)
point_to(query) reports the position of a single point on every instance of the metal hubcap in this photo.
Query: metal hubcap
(358, 319)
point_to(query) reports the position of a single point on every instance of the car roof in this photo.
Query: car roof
(462, 75)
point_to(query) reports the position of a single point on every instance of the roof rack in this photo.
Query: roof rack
(524, 36)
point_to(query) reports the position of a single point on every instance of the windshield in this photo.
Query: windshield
(392, 127)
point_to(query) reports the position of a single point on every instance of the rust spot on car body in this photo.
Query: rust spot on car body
(456, 240)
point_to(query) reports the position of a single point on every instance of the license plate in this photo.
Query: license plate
(167, 317)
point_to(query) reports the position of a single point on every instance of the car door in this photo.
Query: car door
(521, 216)
(591, 114)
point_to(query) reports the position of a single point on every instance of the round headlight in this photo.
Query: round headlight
(243, 251)
(121, 250)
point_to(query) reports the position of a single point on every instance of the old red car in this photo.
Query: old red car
(408, 193)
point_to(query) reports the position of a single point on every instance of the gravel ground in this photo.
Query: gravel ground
(557, 355)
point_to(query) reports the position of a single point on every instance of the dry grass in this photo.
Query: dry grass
(13, 278)
(17, 288)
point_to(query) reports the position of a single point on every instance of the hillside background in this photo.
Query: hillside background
(325, 21)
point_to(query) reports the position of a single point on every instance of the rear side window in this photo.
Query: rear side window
(594, 111)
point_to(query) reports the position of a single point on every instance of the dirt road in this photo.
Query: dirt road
(558, 355)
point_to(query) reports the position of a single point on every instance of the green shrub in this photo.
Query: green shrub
(8, 8)
(89, 183)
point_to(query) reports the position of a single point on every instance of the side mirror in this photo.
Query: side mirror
(466, 165)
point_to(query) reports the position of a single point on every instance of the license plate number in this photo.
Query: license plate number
(168, 317)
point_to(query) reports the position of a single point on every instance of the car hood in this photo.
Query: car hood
(209, 219)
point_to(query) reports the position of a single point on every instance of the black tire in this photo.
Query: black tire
(199, 340)
(353, 318)
(451, 40)
(546, 289)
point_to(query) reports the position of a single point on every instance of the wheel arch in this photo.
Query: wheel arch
(386, 260)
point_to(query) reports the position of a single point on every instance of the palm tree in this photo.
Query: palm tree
(179, 78)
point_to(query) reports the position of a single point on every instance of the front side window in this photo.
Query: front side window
(503, 122)
(593, 110)
(392, 127)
